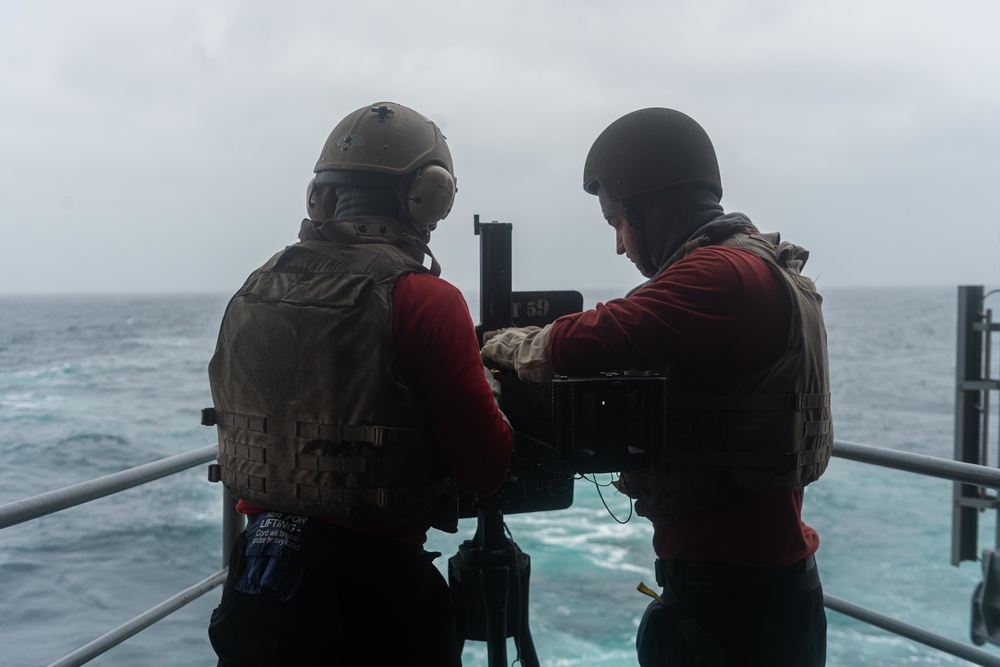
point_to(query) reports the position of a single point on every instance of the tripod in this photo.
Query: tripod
(490, 575)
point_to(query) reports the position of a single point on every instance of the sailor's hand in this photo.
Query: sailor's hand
(501, 346)
(525, 349)
(493, 382)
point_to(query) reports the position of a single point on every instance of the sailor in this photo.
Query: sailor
(727, 315)
(350, 401)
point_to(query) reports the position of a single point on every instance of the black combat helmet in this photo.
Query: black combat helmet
(649, 150)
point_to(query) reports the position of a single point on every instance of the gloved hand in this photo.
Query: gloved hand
(525, 349)
(496, 388)
(493, 383)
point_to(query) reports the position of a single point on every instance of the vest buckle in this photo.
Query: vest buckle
(793, 461)
(383, 435)
(384, 498)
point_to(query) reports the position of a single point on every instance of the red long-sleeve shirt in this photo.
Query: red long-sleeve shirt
(720, 315)
(436, 351)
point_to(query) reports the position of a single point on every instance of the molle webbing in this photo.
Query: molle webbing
(774, 431)
(753, 402)
(375, 435)
(778, 461)
(382, 498)
(312, 417)
(213, 417)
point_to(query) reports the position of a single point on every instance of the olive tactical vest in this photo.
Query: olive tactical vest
(312, 419)
(773, 433)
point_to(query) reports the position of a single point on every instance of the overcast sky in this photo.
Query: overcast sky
(166, 146)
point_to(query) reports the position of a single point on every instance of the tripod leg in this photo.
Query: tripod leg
(526, 647)
(495, 581)
(522, 637)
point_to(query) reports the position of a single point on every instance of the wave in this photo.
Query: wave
(125, 389)
(36, 375)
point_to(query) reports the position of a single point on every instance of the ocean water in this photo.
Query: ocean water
(90, 385)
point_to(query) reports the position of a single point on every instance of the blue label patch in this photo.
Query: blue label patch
(276, 552)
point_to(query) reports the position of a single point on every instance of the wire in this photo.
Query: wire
(598, 486)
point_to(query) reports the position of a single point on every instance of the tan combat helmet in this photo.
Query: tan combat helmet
(387, 144)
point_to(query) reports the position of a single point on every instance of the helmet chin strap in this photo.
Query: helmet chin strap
(435, 268)
(645, 264)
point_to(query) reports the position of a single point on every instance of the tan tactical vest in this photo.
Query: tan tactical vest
(312, 419)
(773, 433)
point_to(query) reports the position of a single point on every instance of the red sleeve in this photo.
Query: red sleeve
(437, 351)
(719, 310)
(720, 314)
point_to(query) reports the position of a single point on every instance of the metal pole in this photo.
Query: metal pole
(495, 274)
(968, 370)
(987, 375)
(27, 509)
(964, 651)
(108, 641)
(232, 525)
(933, 466)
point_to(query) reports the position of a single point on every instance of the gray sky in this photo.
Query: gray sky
(153, 147)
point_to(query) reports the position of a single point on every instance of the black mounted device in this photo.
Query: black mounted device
(567, 427)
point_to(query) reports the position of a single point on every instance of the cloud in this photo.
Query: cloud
(166, 147)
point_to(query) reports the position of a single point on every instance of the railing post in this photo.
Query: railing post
(968, 415)
(232, 525)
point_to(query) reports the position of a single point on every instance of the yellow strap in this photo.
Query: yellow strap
(646, 590)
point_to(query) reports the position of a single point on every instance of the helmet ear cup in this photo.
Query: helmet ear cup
(430, 195)
(319, 202)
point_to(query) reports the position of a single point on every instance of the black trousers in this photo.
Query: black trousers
(730, 616)
(361, 601)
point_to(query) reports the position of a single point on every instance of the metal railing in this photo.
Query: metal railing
(44, 504)
(55, 501)
(27, 509)
(931, 466)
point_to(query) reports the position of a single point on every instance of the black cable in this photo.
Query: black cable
(598, 486)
